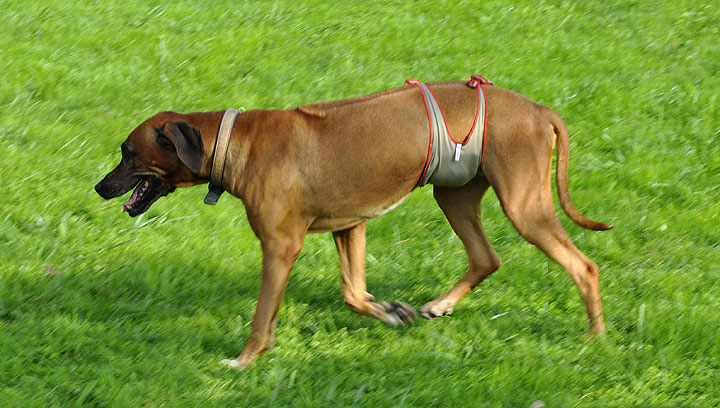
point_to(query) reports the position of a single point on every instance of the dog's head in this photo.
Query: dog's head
(163, 153)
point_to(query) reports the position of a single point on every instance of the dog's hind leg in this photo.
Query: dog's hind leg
(350, 244)
(461, 206)
(351, 250)
(539, 225)
(520, 172)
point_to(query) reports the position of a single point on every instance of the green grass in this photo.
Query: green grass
(97, 309)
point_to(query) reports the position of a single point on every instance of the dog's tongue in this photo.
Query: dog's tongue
(132, 199)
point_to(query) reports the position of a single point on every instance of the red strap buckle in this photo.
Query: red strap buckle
(476, 80)
(412, 81)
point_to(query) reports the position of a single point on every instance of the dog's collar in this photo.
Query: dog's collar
(221, 147)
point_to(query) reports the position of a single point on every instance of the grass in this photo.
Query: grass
(97, 309)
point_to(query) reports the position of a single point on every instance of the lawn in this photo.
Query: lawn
(101, 310)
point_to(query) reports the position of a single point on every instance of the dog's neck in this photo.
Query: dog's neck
(209, 124)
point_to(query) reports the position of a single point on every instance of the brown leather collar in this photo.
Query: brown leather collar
(218, 164)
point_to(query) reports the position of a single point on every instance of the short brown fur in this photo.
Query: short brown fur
(330, 166)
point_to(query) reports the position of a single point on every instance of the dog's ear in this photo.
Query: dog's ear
(186, 141)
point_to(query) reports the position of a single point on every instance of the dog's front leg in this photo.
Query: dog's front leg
(279, 254)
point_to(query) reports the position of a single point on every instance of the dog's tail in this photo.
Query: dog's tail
(561, 177)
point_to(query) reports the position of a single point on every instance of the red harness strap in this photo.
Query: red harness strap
(477, 81)
(413, 81)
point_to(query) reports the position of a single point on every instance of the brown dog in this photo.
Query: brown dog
(330, 166)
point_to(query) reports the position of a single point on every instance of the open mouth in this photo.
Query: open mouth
(148, 190)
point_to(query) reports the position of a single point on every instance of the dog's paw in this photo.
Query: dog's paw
(396, 313)
(233, 363)
(437, 308)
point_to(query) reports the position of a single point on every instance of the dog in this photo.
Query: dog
(328, 167)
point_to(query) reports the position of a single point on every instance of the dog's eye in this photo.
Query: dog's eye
(126, 152)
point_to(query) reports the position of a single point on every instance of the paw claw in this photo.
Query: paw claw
(426, 314)
(436, 309)
(397, 313)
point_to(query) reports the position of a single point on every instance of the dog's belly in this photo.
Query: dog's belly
(333, 224)
(345, 221)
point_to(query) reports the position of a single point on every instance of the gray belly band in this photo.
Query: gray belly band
(452, 163)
